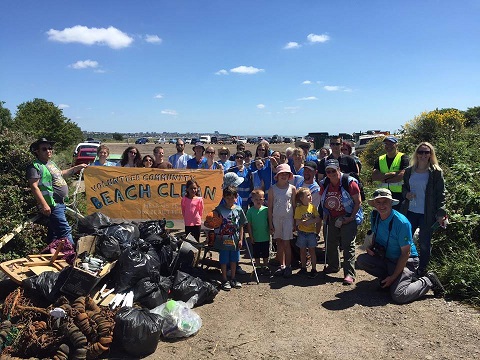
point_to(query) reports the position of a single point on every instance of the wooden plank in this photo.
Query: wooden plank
(6, 238)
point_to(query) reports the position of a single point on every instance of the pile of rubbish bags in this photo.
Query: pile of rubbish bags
(151, 266)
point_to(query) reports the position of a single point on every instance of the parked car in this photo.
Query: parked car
(83, 145)
(172, 141)
(287, 140)
(194, 141)
(363, 140)
(206, 139)
(214, 140)
(85, 156)
(242, 140)
(115, 158)
(142, 140)
(160, 141)
(187, 141)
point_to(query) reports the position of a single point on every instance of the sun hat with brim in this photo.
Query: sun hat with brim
(303, 143)
(332, 164)
(199, 144)
(382, 193)
(392, 139)
(231, 179)
(283, 168)
(34, 146)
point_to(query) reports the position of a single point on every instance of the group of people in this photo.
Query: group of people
(274, 194)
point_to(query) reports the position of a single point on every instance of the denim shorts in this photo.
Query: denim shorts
(306, 239)
(228, 256)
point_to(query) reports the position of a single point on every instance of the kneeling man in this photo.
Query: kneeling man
(393, 257)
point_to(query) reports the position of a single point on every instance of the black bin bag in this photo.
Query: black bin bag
(137, 330)
(185, 286)
(91, 223)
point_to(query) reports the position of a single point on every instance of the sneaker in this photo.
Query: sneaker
(437, 287)
(288, 272)
(226, 286)
(313, 274)
(240, 271)
(348, 280)
(235, 284)
(331, 270)
(279, 272)
(303, 271)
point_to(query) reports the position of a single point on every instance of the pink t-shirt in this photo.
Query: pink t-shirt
(192, 210)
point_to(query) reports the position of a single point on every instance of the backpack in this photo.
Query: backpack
(344, 182)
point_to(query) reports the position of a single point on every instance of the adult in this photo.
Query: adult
(341, 210)
(198, 159)
(131, 157)
(298, 159)
(394, 258)
(323, 153)
(246, 187)
(389, 168)
(102, 153)
(348, 150)
(224, 155)
(147, 161)
(49, 188)
(308, 181)
(424, 190)
(209, 163)
(305, 146)
(262, 151)
(240, 147)
(179, 159)
(347, 163)
(160, 162)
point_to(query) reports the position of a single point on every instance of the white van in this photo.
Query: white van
(206, 139)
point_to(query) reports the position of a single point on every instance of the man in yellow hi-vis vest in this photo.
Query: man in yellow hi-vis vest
(389, 168)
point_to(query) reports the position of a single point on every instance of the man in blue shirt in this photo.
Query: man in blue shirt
(393, 258)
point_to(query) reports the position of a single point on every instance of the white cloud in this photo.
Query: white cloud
(249, 70)
(158, 96)
(318, 38)
(152, 39)
(306, 82)
(84, 64)
(110, 36)
(337, 88)
(169, 112)
(99, 71)
(307, 98)
(291, 109)
(222, 72)
(63, 106)
(261, 106)
(292, 45)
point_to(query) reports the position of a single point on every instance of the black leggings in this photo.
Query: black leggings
(194, 230)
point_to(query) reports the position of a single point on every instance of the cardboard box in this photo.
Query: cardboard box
(81, 282)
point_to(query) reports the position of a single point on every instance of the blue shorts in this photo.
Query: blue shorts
(228, 256)
(306, 239)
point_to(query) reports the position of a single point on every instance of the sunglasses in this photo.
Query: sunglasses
(261, 150)
(149, 160)
(331, 171)
(423, 152)
(210, 152)
(46, 148)
(336, 144)
(239, 157)
(132, 152)
(221, 154)
(180, 144)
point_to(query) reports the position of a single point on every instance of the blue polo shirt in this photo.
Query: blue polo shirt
(401, 234)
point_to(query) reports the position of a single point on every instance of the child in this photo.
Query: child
(257, 217)
(306, 218)
(229, 235)
(281, 207)
(192, 209)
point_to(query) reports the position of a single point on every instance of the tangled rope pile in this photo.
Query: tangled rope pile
(86, 332)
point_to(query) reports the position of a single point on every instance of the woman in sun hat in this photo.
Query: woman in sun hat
(281, 208)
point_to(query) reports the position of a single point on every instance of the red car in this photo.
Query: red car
(85, 156)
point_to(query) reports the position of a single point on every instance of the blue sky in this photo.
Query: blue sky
(241, 67)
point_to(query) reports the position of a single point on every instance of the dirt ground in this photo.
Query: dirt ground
(301, 318)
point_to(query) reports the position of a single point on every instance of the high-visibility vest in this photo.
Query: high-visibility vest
(45, 183)
(394, 167)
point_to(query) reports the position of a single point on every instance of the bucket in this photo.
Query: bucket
(187, 254)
